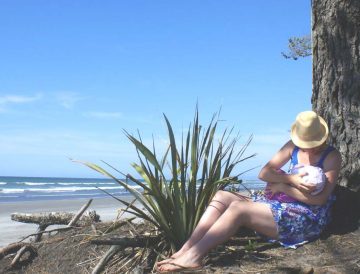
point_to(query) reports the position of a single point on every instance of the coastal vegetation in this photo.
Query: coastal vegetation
(178, 185)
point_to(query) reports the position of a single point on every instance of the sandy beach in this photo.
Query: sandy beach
(12, 231)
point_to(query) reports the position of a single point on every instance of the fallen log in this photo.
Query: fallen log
(50, 218)
(57, 218)
(127, 241)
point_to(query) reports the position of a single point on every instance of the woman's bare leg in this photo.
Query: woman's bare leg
(215, 209)
(256, 216)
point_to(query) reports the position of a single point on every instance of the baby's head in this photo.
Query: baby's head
(315, 175)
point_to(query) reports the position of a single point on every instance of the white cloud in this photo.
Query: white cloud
(68, 99)
(104, 115)
(18, 99)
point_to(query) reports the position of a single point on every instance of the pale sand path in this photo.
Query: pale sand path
(11, 231)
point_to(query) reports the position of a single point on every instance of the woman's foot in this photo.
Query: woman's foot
(165, 261)
(172, 257)
(185, 262)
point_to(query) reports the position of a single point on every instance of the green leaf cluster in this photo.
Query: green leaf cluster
(298, 47)
(198, 168)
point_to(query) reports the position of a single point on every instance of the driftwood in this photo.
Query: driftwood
(118, 244)
(48, 231)
(127, 241)
(45, 219)
(11, 248)
(41, 227)
(106, 258)
(56, 218)
(22, 251)
(79, 214)
(52, 218)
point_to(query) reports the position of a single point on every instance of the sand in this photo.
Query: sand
(12, 231)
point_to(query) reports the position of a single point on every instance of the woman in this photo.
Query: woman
(290, 223)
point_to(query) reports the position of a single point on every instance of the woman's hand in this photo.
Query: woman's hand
(299, 183)
(274, 188)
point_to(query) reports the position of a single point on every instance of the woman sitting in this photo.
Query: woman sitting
(293, 222)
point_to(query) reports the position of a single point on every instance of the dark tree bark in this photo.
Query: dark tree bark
(336, 79)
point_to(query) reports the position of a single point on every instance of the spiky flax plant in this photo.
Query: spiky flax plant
(177, 187)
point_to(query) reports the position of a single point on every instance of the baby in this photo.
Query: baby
(314, 175)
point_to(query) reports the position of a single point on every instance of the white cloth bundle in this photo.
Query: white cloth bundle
(315, 175)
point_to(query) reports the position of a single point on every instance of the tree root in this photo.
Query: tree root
(11, 248)
(26, 248)
(20, 249)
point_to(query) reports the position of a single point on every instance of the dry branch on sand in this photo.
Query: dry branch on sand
(43, 220)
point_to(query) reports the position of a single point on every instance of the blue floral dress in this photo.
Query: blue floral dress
(297, 222)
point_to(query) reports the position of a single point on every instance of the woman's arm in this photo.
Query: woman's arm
(332, 166)
(269, 172)
(301, 196)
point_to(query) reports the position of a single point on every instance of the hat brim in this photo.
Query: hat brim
(319, 140)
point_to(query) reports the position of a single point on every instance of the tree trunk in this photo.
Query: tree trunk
(336, 79)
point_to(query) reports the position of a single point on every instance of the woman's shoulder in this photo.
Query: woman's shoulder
(333, 159)
(289, 146)
(334, 153)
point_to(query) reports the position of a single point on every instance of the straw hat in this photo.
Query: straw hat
(309, 130)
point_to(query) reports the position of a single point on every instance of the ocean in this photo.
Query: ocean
(14, 189)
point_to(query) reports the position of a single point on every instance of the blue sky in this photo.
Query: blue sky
(74, 74)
